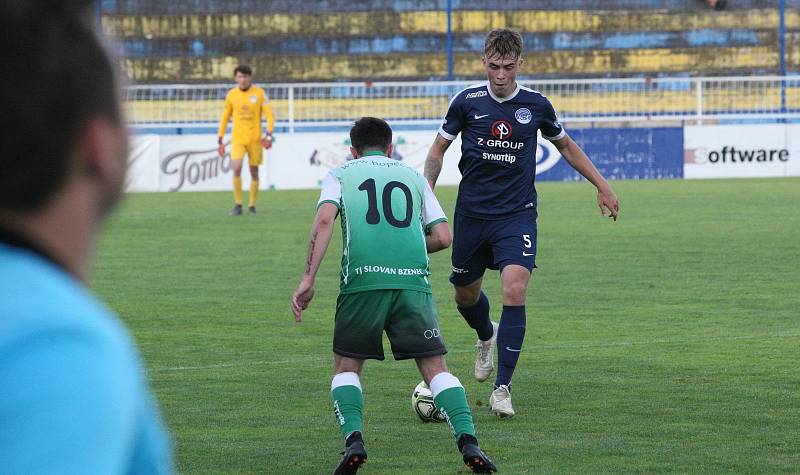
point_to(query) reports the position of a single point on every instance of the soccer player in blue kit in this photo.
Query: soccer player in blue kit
(495, 215)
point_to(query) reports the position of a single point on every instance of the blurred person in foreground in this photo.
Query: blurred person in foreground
(245, 103)
(74, 397)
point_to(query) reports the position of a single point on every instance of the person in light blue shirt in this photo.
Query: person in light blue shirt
(73, 394)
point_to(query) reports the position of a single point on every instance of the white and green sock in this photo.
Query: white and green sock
(451, 400)
(348, 403)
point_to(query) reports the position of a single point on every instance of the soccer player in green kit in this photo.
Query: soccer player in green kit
(391, 220)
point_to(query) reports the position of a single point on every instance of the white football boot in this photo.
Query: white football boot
(500, 400)
(484, 360)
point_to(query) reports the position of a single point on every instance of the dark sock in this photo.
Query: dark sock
(466, 439)
(354, 437)
(510, 335)
(477, 316)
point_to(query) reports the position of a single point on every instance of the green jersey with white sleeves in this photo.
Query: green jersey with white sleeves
(386, 207)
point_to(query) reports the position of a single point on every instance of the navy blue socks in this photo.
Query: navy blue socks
(477, 316)
(509, 342)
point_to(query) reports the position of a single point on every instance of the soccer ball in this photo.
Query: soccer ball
(422, 403)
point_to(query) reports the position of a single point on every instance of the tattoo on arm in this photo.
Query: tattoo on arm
(311, 245)
(433, 168)
(435, 159)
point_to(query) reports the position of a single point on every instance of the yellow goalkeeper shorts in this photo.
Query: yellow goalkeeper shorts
(255, 153)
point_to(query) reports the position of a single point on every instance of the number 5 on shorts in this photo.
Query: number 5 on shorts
(527, 239)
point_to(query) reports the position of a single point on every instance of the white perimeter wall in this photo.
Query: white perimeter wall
(297, 161)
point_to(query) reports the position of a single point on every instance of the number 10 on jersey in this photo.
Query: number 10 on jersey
(373, 216)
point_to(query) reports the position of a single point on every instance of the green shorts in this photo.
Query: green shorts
(408, 316)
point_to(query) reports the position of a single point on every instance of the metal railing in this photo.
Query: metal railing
(590, 100)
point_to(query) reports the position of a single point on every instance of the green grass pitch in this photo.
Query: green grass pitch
(668, 341)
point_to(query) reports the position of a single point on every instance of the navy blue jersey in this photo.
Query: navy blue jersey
(498, 148)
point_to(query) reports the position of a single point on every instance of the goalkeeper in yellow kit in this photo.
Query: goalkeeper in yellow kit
(245, 103)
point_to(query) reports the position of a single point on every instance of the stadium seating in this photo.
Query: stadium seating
(336, 40)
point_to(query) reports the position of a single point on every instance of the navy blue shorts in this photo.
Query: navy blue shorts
(480, 244)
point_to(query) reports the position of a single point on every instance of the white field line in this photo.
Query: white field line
(539, 348)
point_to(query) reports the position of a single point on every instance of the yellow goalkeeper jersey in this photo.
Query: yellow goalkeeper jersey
(246, 108)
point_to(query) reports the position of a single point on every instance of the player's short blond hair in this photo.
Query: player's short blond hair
(503, 43)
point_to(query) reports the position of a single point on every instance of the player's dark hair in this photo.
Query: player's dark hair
(370, 133)
(56, 77)
(244, 69)
(504, 43)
